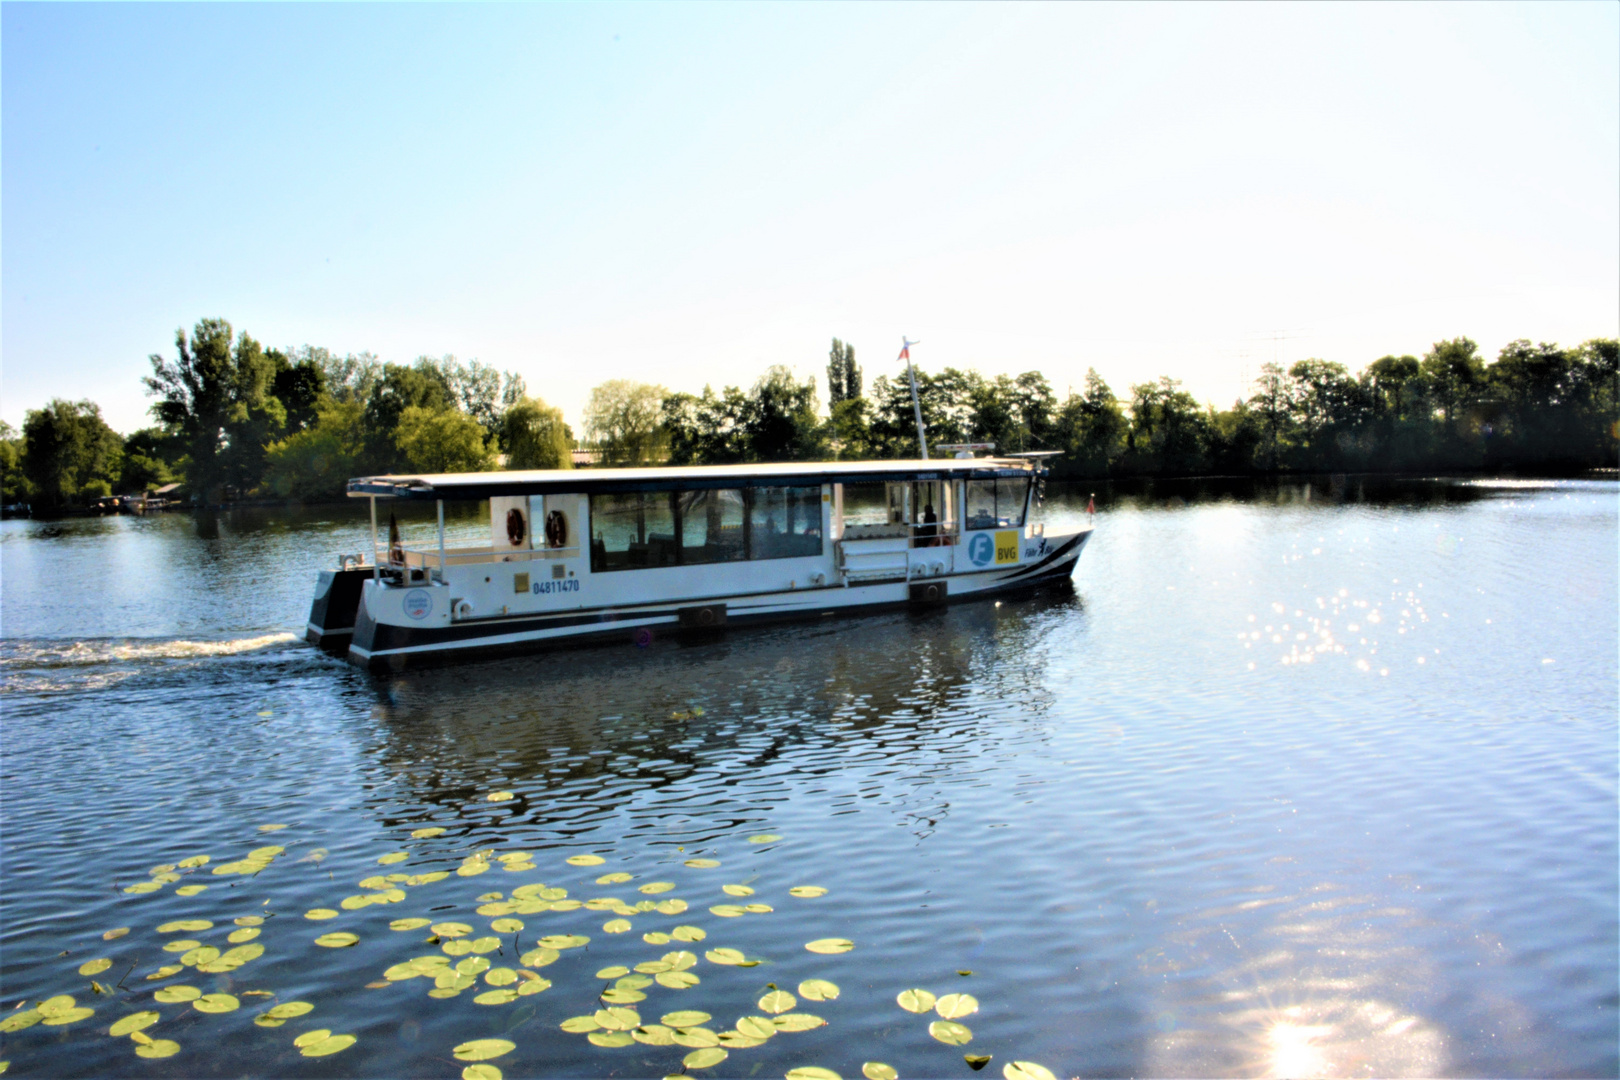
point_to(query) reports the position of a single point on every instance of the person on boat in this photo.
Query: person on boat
(930, 527)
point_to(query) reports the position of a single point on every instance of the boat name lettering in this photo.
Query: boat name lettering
(568, 585)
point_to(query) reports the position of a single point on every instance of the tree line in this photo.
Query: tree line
(235, 419)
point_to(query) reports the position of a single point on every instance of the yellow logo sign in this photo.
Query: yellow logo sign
(1006, 547)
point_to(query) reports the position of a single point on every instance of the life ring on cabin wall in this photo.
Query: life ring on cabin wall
(516, 527)
(556, 529)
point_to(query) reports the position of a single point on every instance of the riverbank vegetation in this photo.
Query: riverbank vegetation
(235, 419)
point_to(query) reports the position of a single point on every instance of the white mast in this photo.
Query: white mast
(916, 405)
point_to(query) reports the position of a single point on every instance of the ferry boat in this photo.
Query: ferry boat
(625, 554)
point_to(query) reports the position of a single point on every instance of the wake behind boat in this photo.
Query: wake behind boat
(622, 554)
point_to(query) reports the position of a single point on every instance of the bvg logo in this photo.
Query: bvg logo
(1006, 547)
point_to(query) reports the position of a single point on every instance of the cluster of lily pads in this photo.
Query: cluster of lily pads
(463, 963)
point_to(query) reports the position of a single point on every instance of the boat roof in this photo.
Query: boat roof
(482, 485)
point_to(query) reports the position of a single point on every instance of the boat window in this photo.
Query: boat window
(711, 526)
(632, 531)
(866, 504)
(993, 504)
(784, 522)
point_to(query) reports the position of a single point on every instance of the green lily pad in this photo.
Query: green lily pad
(676, 980)
(685, 1018)
(614, 878)
(956, 1006)
(409, 924)
(670, 907)
(320, 913)
(778, 1001)
(703, 864)
(115, 933)
(616, 926)
(135, 1022)
(737, 890)
(736, 1040)
(94, 967)
(539, 957)
(688, 933)
(183, 946)
(18, 1020)
(174, 995)
(797, 1022)
(830, 945)
(167, 971)
(483, 1049)
(704, 1058)
(877, 1070)
(618, 1019)
(654, 937)
(915, 1000)
(729, 957)
(216, 1003)
(617, 996)
(190, 890)
(500, 796)
(158, 1048)
(578, 1025)
(764, 838)
(247, 933)
(200, 956)
(655, 887)
(695, 1037)
(756, 1027)
(1026, 1070)
(501, 976)
(427, 833)
(758, 909)
(472, 965)
(451, 929)
(328, 1046)
(496, 997)
(807, 892)
(610, 1038)
(562, 941)
(585, 860)
(481, 1072)
(341, 939)
(812, 1072)
(727, 911)
(506, 926)
(950, 1032)
(143, 887)
(653, 1035)
(818, 990)
(68, 1016)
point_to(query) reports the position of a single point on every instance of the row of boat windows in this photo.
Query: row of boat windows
(641, 530)
(638, 530)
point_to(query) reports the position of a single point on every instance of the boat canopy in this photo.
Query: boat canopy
(481, 485)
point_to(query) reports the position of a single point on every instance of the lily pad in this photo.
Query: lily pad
(68, 1016)
(497, 997)
(247, 933)
(877, 1070)
(135, 1022)
(216, 1003)
(704, 1058)
(695, 1037)
(158, 1048)
(289, 1009)
(618, 1019)
(473, 965)
(812, 1072)
(328, 1046)
(670, 907)
(341, 939)
(764, 838)
(831, 945)
(676, 980)
(778, 1001)
(613, 972)
(115, 933)
(619, 996)
(562, 941)
(321, 913)
(585, 860)
(190, 890)
(408, 924)
(1026, 1070)
(203, 954)
(685, 1018)
(756, 1027)
(703, 864)
(653, 1035)
(729, 957)
(393, 857)
(501, 976)
(727, 911)
(486, 944)
(915, 1000)
(950, 1032)
(956, 1006)
(616, 926)
(578, 1025)
(818, 990)
(18, 1020)
(539, 957)
(451, 929)
(167, 971)
(190, 926)
(483, 1049)
(655, 887)
(807, 892)
(688, 933)
(94, 967)
(737, 890)
(610, 1038)
(193, 862)
(174, 995)
(500, 796)
(506, 926)
(758, 909)
(481, 1072)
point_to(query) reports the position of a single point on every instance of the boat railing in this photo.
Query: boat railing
(931, 534)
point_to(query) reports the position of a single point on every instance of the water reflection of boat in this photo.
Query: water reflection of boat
(621, 554)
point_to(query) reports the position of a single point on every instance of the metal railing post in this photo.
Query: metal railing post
(440, 503)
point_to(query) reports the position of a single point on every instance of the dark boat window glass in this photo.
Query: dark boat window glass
(632, 531)
(711, 526)
(866, 504)
(784, 522)
(992, 504)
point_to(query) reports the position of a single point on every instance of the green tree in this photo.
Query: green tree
(196, 395)
(849, 429)
(1454, 373)
(1390, 383)
(843, 376)
(419, 386)
(14, 486)
(299, 383)
(535, 436)
(1169, 433)
(69, 453)
(780, 422)
(318, 462)
(1090, 429)
(1273, 411)
(149, 457)
(707, 429)
(1327, 408)
(441, 441)
(625, 418)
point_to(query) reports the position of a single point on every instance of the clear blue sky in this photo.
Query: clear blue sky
(685, 194)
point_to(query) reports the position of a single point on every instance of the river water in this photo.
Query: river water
(1310, 779)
